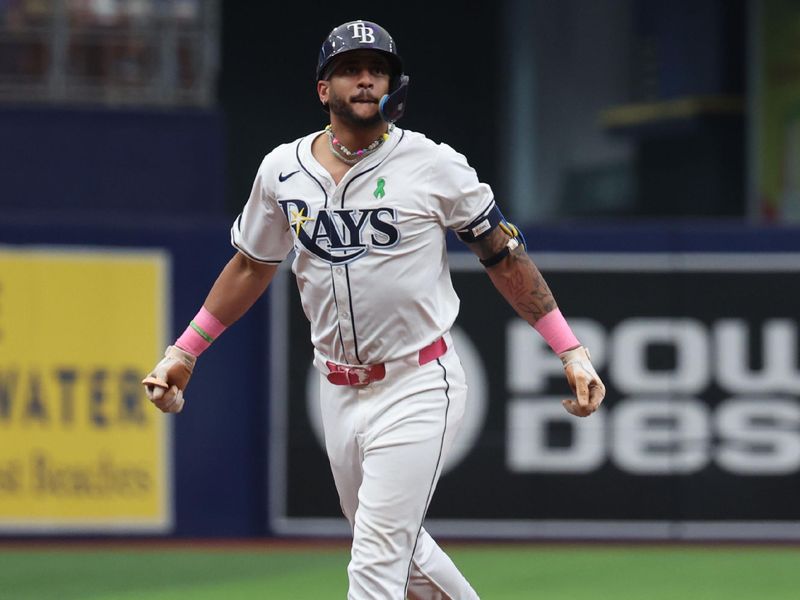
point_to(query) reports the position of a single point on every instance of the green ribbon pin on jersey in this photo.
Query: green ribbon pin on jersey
(379, 192)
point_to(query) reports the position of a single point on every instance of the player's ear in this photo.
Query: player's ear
(322, 90)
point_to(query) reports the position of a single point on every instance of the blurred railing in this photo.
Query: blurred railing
(112, 52)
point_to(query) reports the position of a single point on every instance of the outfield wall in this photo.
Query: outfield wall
(693, 328)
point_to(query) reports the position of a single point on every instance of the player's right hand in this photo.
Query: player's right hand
(584, 381)
(165, 384)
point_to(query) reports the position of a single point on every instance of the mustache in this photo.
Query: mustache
(364, 96)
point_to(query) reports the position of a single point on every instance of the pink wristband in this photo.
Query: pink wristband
(202, 330)
(556, 332)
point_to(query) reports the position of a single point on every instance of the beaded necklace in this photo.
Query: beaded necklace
(341, 151)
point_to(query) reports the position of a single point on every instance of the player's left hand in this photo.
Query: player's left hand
(584, 381)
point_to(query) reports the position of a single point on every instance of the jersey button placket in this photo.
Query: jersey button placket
(343, 301)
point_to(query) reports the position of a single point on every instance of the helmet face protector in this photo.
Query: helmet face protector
(365, 35)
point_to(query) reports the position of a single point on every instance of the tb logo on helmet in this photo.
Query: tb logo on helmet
(360, 30)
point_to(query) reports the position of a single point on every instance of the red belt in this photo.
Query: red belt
(364, 375)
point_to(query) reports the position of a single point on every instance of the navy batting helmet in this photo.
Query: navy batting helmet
(366, 35)
(358, 35)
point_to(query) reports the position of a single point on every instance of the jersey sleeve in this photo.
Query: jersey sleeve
(461, 198)
(261, 231)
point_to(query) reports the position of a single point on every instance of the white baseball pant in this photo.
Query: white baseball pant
(387, 442)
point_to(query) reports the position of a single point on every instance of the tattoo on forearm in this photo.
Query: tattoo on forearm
(517, 278)
(520, 281)
(516, 283)
(532, 297)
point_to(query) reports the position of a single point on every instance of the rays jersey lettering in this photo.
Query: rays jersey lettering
(340, 236)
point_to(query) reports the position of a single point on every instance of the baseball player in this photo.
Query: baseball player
(364, 206)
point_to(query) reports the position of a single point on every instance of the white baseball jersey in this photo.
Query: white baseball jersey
(370, 255)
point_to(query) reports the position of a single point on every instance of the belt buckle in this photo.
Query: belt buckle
(358, 376)
(354, 376)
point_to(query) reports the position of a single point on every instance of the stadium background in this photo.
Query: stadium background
(651, 147)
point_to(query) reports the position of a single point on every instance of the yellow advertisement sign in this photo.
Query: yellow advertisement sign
(81, 448)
